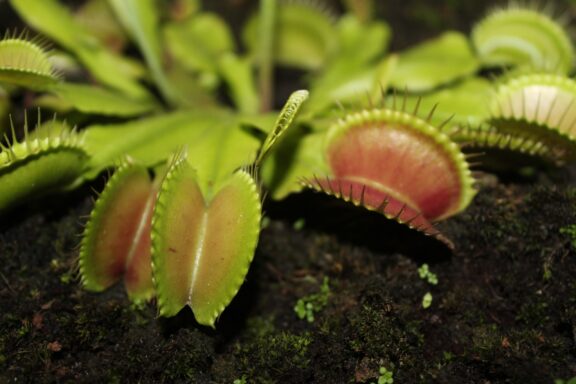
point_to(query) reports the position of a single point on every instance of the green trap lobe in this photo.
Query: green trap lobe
(26, 64)
(34, 174)
(547, 104)
(179, 220)
(201, 250)
(230, 240)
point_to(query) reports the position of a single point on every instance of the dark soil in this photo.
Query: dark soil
(503, 311)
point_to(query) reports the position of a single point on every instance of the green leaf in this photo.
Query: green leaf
(283, 122)
(360, 43)
(55, 21)
(238, 75)
(26, 64)
(350, 86)
(202, 248)
(216, 144)
(97, 17)
(140, 19)
(101, 101)
(434, 63)
(298, 157)
(116, 240)
(196, 46)
(466, 103)
(304, 36)
(198, 42)
(362, 9)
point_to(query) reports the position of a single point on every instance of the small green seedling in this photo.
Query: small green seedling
(307, 306)
(299, 224)
(386, 376)
(427, 300)
(425, 274)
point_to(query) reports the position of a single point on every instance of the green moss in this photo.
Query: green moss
(309, 305)
(272, 356)
(535, 312)
(570, 231)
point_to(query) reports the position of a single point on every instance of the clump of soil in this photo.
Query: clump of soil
(504, 308)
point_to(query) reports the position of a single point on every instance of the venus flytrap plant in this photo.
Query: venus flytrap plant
(474, 115)
(539, 106)
(136, 212)
(27, 65)
(194, 234)
(193, 263)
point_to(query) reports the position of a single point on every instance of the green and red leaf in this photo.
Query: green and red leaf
(116, 240)
(405, 158)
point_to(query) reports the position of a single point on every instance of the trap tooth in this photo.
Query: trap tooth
(377, 200)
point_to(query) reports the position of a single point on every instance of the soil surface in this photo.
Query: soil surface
(503, 309)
